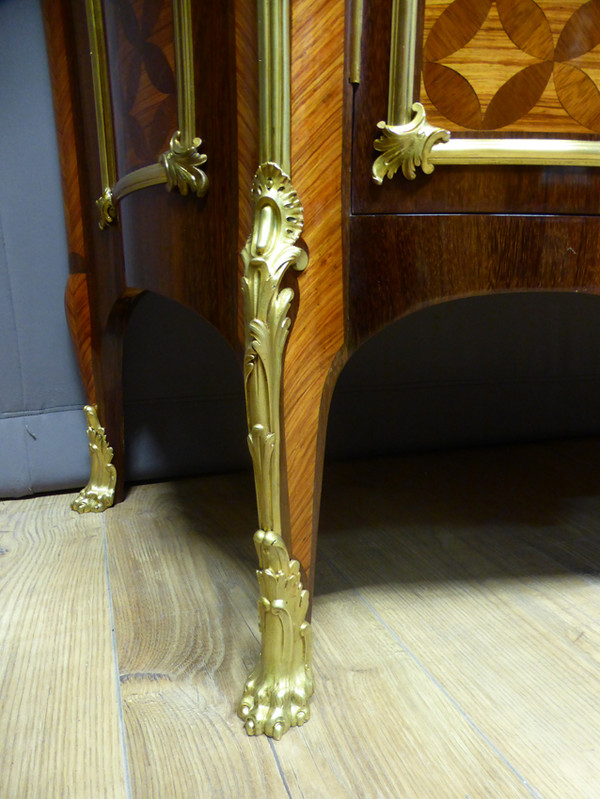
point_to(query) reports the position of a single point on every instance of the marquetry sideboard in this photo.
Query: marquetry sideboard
(302, 173)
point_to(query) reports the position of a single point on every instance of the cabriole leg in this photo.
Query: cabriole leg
(277, 692)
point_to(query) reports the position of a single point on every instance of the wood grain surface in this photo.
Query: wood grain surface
(516, 66)
(141, 57)
(402, 263)
(77, 309)
(59, 725)
(183, 247)
(58, 32)
(478, 561)
(182, 647)
(318, 332)
(456, 627)
(196, 239)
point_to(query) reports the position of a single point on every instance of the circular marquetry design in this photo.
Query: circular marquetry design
(487, 64)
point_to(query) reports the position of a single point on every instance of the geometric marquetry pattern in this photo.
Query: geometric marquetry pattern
(143, 80)
(512, 64)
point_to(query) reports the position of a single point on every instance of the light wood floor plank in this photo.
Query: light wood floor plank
(181, 652)
(371, 729)
(492, 619)
(59, 723)
(457, 637)
(380, 727)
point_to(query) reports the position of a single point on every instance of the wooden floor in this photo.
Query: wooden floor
(457, 637)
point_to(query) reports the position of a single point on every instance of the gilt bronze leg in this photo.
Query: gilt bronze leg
(277, 692)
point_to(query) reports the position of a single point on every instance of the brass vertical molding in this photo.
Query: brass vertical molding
(184, 70)
(183, 159)
(403, 49)
(274, 82)
(356, 26)
(102, 104)
(277, 693)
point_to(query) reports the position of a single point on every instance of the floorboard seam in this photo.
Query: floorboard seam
(433, 679)
(279, 768)
(122, 730)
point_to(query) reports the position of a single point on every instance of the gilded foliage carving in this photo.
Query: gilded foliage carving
(182, 166)
(406, 147)
(99, 493)
(277, 692)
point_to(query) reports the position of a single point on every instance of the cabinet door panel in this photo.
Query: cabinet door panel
(501, 72)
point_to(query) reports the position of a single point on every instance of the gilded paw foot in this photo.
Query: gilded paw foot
(272, 703)
(277, 692)
(92, 501)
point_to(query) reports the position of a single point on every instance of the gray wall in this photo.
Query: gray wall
(486, 370)
(39, 387)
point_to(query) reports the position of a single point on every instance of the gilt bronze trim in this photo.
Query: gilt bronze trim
(532, 152)
(183, 159)
(356, 28)
(102, 105)
(406, 147)
(274, 82)
(403, 57)
(182, 166)
(184, 70)
(99, 493)
(179, 166)
(151, 175)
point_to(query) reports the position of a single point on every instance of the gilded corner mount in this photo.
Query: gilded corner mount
(406, 147)
(276, 694)
(107, 209)
(99, 493)
(182, 164)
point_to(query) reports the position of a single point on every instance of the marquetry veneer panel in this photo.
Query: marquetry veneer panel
(512, 65)
(144, 94)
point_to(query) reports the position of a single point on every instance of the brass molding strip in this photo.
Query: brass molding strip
(183, 159)
(356, 28)
(403, 50)
(151, 175)
(533, 152)
(274, 82)
(104, 123)
(184, 70)
(408, 141)
(179, 166)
